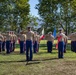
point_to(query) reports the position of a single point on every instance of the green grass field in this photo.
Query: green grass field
(43, 63)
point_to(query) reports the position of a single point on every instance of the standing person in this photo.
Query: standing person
(35, 42)
(61, 37)
(29, 44)
(72, 36)
(65, 43)
(14, 40)
(75, 41)
(4, 42)
(50, 39)
(11, 45)
(24, 43)
(8, 42)
(1, 39)
(22, 39)
(38, 40)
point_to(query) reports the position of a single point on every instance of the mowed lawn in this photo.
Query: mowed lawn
(43, 63)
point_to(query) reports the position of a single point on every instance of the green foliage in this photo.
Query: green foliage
(33, 20)
(14, 13)
(58, 13)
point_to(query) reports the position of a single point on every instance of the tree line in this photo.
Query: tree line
(58, 13)
(14, 15)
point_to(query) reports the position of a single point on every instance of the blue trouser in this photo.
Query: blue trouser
(49, 46)
(21, 46)
(35, 46)
(3, 45)
(60, 49)
(29, 54)
(0, 46)
(73, 46)
(8, 44)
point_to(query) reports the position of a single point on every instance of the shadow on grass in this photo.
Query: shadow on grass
(35, 61)
(11, 61)
(29, 62)
(49, 59)
(40, 53)
(39, 61)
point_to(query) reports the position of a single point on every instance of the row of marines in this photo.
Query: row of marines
(30, 40)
